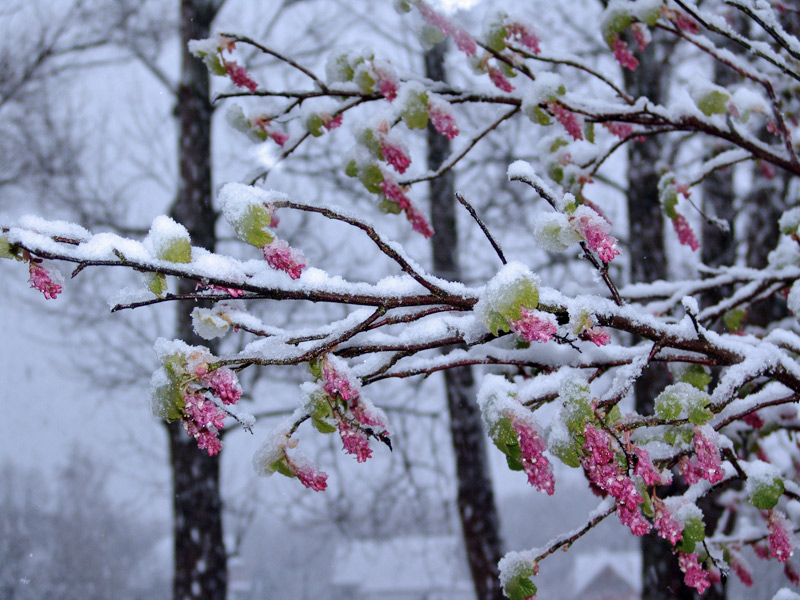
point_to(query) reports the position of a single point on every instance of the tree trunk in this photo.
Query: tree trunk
(200, 557)
(476, 506)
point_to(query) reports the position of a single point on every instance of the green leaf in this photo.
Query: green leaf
(214, 64)
(668, 404)
(389, 207)
(156, 283)
(497, 323)
(323, 426)
(669, 201)
(314, 125)
(177, 250)
(351, 170)
(647, 505)
(538, 116)
(733, 319)
(430, 36)
(252, 227)
(505, 438)
(496, 40)
(699, 415)
(372, 177)
(765, 494)
(588, 132)
(520, 587)
(514, 464)
(615, 22)
(697, 376)
(568, 453)
(282, 467)
(714, 102)
(415, 112)
(694, 531)
(7, 250)
(364, 81)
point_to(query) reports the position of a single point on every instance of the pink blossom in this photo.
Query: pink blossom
(754, 420)
(693, 574)
(594, 229)
(42, 280)
(239, 75)
(536, 465)
(463, 40)
(621, 130)
(762, 551)
(393, 192)
(766, 169)
(524, 34)
(781, 538)
(690, 470)
(233, 292)
(685, 22)
(708, 457)
(641, 34)
(282, 257)
(355, 441)
(225, 385)
(395, 156)
(534, 325)
(499, 80)
(309, 475)
(604, 471)
(279, 137)
(365, 416)
(331, 122)
(623, 55)
(667, 525)
(644, 467)
(741, 568)
(386, 80)
(685, 234)
(202, 420)
(418, 221)
(567, 119)
(442, 120)
(599, 335)
(335, 382)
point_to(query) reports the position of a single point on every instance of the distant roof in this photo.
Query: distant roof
(402, 564)
(627, 565)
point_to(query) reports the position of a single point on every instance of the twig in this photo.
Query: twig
(474, 215)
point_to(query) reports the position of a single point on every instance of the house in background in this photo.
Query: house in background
(402, 568)
(607, 576)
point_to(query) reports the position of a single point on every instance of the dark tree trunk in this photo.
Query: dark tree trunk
(200, 557)
(476, 506)
(661, 577)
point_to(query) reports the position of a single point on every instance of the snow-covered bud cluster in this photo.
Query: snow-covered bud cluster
(464, 41)
(636, 16)
(274, 456)
(186, 388)
(370, 74)
(211, 52)
(45, 277)
(247, 209)
(515, 432)
(258, 127)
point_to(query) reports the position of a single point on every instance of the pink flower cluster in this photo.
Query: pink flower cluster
(534, 325)
(355, 441)
(463, 40)
(385, 79)
(537, 467)
(644, 466)
(693, 574)
(329, 121)
(708, 456)
(354, 438)
(598, 335)
(442, 119)
(282, 257)
(641, 34)
(393, 192)
(605, 472)
(781, 538)
(741, 568)
(395, 156)
(499, 80)
(42, 280)
(308, 474)
(567, 119)
(623, 55)
(202, 417)
(594, 229)
(621, 130)
(278, 136)
(685, 234)
(666, 524)
(525, 35)
(239, 75)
